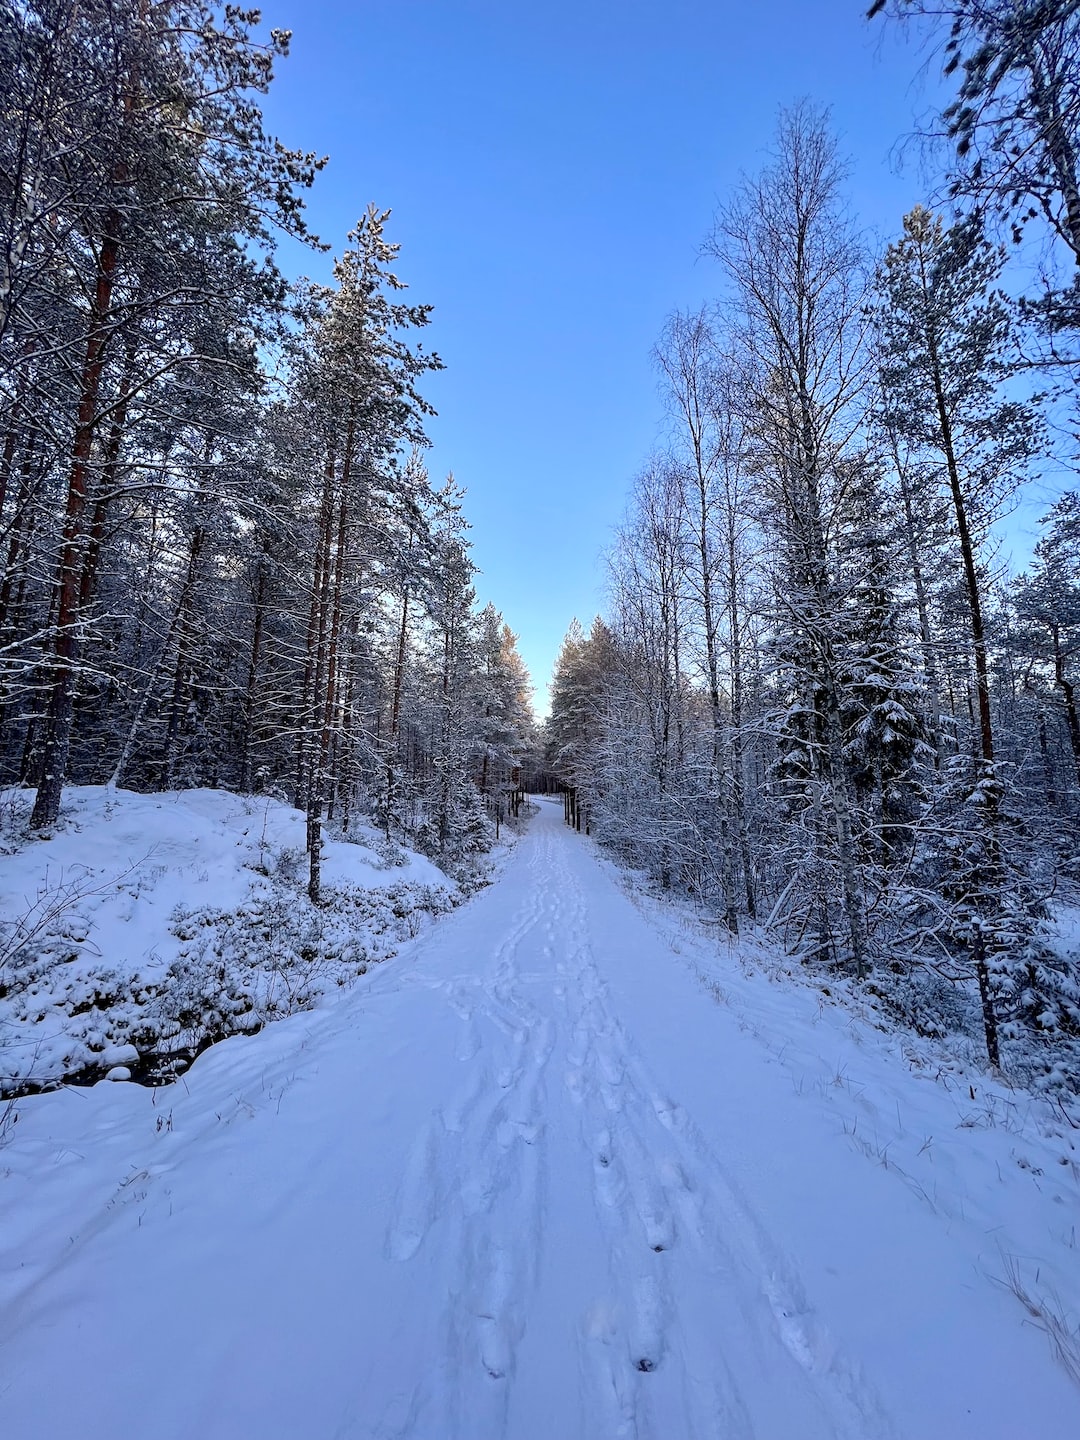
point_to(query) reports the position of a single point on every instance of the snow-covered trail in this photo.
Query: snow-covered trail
(529, 1183)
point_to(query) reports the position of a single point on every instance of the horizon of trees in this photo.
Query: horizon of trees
(813, 702)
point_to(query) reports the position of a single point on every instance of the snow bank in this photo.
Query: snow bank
(146, 926)
(997, 1165)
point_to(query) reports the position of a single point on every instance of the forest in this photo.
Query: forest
(377, 1057)
(819, 701)
(224, 561)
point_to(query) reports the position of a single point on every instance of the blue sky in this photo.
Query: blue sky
(552, 171)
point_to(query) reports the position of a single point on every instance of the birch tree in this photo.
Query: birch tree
(798, 286)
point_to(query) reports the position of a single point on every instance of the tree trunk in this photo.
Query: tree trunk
(251, 689)
(60, 712)
(925, 639)
(738, 778)
(309, 690)
(982, 678)
(1068, 692)
(106, 486)
(318, 667)
(395, 713)
(185, 630)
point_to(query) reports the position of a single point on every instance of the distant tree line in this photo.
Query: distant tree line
(814, 702)
(221, 558)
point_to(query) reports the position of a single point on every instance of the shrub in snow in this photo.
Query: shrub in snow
(105, 969)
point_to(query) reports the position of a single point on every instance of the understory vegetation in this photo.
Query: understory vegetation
(187, 920)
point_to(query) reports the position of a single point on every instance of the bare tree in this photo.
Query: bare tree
(798, 288)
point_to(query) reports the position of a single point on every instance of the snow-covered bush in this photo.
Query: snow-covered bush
(185, 919)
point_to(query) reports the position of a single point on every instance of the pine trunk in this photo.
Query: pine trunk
(60, 686)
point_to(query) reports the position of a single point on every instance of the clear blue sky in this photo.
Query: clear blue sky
(552, 170)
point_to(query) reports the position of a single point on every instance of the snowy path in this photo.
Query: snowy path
(529, 1183)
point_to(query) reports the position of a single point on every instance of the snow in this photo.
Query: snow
(195, 897)
(567, 1167)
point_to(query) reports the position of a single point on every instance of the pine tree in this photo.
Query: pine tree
(1016, 68)
(505, 723)
(358, 385)
(1047, 601)
(945, 334)
(455, 826)
(174, 192)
